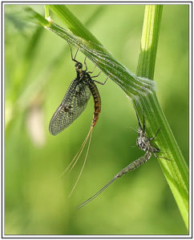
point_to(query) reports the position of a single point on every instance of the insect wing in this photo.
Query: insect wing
(71, 107)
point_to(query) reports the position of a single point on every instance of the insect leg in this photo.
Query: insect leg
(156, 156)
(143, 122)
(96, 76)
(101, 82)
(92, 70)
(73, 58)
(85, 64)
(138, 120)
(155, 135)
(135, 164)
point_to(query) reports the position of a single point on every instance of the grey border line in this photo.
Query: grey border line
(190, 3)
(100, 2)
(191, 119)
(2, 122)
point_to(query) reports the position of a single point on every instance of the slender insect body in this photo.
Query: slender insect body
(84, 76)
(72, 105)
(97, 102)
(132, 166)
(135, 164)
(75, 101)
(143, 142)
(87, 80)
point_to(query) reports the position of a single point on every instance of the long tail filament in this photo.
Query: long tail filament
(96, 194)
(135, 164)
(75, 159)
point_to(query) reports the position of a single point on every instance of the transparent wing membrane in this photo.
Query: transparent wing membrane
(72, 105)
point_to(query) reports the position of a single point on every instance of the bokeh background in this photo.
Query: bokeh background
(38, 71)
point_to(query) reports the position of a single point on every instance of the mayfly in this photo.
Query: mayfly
(73, 104)
(144, 143)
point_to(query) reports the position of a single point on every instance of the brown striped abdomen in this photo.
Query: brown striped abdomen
(97, 102)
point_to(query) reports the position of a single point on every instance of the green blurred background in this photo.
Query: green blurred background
(38, 71)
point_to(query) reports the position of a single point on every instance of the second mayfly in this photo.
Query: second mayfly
(73, 104)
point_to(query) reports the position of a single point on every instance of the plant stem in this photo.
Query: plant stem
(130, 83)
(175, 170)
(46, 11)
(149, 41)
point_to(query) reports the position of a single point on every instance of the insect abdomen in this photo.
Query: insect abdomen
(97, 102)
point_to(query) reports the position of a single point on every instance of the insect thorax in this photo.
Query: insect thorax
(143, 143)
(84, 77)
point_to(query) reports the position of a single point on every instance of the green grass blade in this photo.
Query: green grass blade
(72, 22)
(149, 41)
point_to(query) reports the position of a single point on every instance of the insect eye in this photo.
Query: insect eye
(78, 65)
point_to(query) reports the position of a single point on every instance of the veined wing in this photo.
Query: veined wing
(71, 107)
